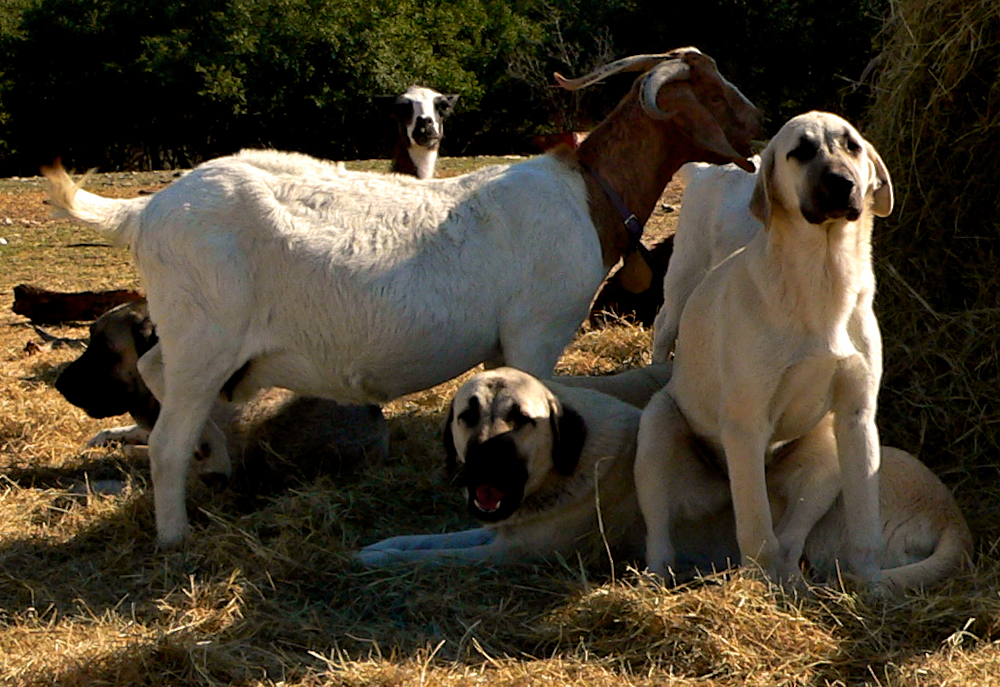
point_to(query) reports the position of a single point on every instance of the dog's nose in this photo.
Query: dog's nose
(838, 185)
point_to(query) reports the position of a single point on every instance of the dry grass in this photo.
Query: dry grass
(264, 593)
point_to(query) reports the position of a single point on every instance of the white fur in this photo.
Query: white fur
(714, 222)
(361, 287)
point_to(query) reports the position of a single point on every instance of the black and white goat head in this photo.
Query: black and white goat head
(420, 113)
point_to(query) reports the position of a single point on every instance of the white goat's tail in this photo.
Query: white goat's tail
(118, 217)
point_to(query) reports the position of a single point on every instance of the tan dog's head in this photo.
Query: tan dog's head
(508, 433)
(819, 166)
(105, 379)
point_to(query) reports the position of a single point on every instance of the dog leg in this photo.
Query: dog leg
(669, 479)
(469, 546)
(859, 457)
(129, 435)
(803, 485)
(452, 540)
(745, 451)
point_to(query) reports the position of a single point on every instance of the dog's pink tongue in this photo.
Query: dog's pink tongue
(488, 498)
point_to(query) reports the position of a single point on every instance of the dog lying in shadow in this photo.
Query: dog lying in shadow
(266, 444)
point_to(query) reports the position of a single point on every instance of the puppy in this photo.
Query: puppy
(773, 340)
(273, 436)
(547, 468)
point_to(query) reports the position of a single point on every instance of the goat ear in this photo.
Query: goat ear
(451, 454)
(569, 432)
(883, 200)
(698, 124)
(445, 103)
(760, 201)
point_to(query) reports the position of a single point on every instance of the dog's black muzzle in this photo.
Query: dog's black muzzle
(835, 196)
(494, 475)
(100, 395)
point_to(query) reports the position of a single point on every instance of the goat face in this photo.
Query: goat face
(707, 108)
(421, 113)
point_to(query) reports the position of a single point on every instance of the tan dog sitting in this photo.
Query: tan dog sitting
(771, 342)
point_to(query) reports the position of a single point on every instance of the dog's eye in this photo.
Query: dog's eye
(853, 147)
(805, 151)
(470, 416)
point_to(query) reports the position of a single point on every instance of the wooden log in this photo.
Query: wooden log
(52, 307)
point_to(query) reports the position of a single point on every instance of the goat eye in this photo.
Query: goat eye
(805, 151)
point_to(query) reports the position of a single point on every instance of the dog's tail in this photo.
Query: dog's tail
(951, 554)
(118, 217)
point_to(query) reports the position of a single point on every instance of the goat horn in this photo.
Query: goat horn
(675, 70)
(636, 63)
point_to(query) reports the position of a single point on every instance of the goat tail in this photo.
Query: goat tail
(952, 554)
(118, 217)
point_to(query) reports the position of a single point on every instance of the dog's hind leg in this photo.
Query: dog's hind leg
(672, 481)
(803, 484)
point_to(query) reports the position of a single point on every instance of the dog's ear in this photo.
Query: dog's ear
(143, 334)
(451, 455)
(883, 197)
(760, 201)
(569, 432)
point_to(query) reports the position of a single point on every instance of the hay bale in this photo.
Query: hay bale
(936, 120)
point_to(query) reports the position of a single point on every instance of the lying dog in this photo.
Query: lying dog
(771, 341)
(530, 452)
(548, 468)
(274, 432)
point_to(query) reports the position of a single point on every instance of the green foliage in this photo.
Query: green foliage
(161, 83)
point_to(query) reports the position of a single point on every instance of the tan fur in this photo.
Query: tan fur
(559, 511)
(773, 340)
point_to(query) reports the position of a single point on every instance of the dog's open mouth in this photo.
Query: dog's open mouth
(487, 498)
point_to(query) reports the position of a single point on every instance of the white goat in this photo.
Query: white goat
(276, 269)
(420, 113)
(714, 222)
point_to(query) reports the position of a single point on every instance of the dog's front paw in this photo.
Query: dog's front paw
(376, 558)
(128, 435)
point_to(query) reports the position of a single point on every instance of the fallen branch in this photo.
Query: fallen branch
(52, 307)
